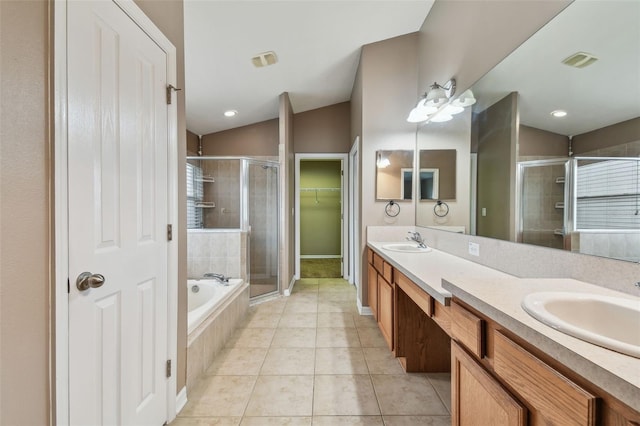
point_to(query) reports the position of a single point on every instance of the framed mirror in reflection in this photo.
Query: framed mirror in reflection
(437, 179)
(571, 90)
(394, 175)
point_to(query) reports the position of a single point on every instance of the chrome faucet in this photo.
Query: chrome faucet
(416, 237)
(220, 277)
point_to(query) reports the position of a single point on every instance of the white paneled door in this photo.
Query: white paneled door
(118, 210)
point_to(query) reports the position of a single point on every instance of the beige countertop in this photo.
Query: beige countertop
(498, 296)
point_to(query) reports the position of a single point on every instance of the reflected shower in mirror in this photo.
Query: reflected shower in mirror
(394, 175)
(550, 100)
(437, 179)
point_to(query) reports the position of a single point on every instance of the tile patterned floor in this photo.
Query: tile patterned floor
(311, 359)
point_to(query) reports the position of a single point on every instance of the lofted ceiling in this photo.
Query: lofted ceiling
(601, 94)
(317, 43)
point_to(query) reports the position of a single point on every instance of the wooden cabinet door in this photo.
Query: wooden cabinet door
(372, 286)
(385, 310)
(477, 398)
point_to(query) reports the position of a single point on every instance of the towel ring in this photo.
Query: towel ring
(392, 209)
(441, 209)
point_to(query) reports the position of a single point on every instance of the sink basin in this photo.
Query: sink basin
(406, 247)
(610, 322)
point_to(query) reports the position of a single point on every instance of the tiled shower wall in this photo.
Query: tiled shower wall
(222, 252)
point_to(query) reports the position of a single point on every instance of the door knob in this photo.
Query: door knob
(87, 280)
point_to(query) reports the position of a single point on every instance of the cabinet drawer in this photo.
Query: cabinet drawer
(554, 398)
(442, 316)
(370, 256)
(468, 329)
(418, 295)
(378, 263)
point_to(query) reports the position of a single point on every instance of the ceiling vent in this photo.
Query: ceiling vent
(264, 59)
(580, 60)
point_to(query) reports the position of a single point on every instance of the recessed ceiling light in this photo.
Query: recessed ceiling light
(231, 113)
(559, 113)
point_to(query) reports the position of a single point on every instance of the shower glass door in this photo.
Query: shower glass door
(262, 225)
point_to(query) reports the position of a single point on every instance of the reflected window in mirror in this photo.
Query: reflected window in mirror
(437, 174)
(394, 175)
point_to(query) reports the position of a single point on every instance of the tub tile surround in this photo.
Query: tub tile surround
(222, 252)
(495, 283)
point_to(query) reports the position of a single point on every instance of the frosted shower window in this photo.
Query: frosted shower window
(194, 196)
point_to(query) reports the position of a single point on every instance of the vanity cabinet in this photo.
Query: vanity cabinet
(381, 295)
(505, 373)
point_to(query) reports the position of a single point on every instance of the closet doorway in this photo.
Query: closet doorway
(321, 230)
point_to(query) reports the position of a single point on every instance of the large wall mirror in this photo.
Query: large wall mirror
(394, 175)
(565, 104)
(437, 179)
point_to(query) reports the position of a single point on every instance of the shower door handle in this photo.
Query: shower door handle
(87, 280)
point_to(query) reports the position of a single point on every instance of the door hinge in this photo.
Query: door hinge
(170, 90)
(168, 371)
(169, 232)
(68, 286)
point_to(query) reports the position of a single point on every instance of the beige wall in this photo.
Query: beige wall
(287, 194)
(388, 78)
(192, 143)
(259, 139)
(25, 212)
(168, 16)
(625, 133)
(496, 155)
(323, 130)
(534, 142)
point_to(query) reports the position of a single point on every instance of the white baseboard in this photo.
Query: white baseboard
(364, 310)
(288, 291)
(181, 399)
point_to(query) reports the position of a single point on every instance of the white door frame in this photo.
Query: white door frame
(345, 208)
(354, 206)
(60, 371)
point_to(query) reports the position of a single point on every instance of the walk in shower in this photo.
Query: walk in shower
(589, 205)
(232, 220)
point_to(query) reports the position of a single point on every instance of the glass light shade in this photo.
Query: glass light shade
(452, 109)
(416, 116)
(465, 100)
(383, 162)
(436, 97)
(439, 118)
(424, 109)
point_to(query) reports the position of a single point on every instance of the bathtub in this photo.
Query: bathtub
(210, 296)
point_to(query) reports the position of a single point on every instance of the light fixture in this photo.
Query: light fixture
(434, 101)
(464, 100)
(450, 109)
(441, 118)
(382, 162)
(559, 113)
(439, 95)
(230, 113)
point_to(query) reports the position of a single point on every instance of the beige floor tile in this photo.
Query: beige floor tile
(371, 338)
(289, 361)
(336, 296)
(346, 395)
(340, 361)
(299, 320)
(237, 362)
(347, 421)
(274, 306)
(261, 320)
(335, 282)
(308, 296)
(307, 281)
(301, 306)
(304, 289)
(381, 361)
(251, 338)
(337, 306)
(442, 384)
(417, 420)
(335, 319)
(294, 338)
(337, 338)
(276, 421)
(365, 321)
(220, 396)
(281, 396)
(408, 394)
(206, 421)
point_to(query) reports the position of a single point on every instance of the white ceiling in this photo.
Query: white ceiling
(317, 43)
(604, 93)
